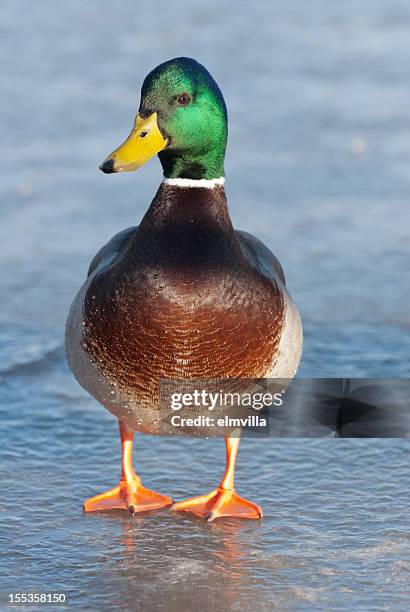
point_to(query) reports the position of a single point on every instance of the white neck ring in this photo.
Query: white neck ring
(186, 182)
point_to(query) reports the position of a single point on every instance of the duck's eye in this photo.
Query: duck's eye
(183, 99)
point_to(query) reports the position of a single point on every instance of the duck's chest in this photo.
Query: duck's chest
(172, 323)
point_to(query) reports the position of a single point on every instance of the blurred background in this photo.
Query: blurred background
(317, 166)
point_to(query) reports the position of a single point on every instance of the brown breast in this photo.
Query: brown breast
(182, 302)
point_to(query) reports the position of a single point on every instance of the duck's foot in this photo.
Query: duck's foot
(218, 503)
(131, 496)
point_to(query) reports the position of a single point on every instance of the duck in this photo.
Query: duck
(181, 296)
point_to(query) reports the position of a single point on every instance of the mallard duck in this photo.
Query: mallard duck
(183, 295)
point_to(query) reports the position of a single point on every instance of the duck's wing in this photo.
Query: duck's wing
(289, 351)
(260, 256)
(112, 249)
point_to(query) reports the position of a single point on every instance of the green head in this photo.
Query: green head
(182, 117)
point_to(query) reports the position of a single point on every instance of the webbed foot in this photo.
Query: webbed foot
(220, 502)
(128, 495)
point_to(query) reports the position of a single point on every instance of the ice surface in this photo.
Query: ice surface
(318, 167)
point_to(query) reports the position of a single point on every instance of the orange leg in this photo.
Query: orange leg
(222, 501)
(129, 494)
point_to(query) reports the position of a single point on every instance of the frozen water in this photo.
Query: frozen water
(318, 167)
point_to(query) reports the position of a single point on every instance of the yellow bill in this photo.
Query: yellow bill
(144, 142)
